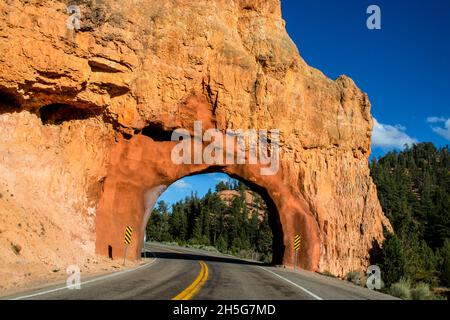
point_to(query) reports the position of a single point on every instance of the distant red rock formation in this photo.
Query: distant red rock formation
(254, 202)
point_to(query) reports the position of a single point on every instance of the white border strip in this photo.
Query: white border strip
(86, 282)
(294, 284)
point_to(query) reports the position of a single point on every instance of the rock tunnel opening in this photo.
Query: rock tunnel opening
(141, 169)
(217, 211)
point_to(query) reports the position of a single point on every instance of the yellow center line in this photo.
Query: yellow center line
(195, 286)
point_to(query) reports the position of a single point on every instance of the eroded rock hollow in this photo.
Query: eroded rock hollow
(86, 117)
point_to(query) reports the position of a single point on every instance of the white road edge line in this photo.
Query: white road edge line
(86, 282)
(293, 283)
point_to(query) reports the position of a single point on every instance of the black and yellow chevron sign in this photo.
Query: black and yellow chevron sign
(128, 235)
(297, 242)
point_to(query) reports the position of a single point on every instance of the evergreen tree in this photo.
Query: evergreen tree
(153, 226)
(444, 254)
(178, 223)
(221, 186)
(414, 191)
(392, 261)
(235, 227)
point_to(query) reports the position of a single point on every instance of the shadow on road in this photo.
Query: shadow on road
(188, 256)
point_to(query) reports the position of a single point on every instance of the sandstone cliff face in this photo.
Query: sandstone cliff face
(69, 98)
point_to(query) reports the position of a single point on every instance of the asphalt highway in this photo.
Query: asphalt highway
(175, 273)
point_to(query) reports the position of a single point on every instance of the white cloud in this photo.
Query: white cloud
(219, 177)
(444, 132)
(435, 119)
(181, 184)
(390, 137)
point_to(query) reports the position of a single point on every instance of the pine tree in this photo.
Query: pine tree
(153, 226)
(414, 191)
(393, 260)
(209, 221)
(221, 186)
(444, 254)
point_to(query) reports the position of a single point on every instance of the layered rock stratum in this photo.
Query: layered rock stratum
(84, 111)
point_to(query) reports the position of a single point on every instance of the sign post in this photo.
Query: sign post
(297, 245)
(127, 241)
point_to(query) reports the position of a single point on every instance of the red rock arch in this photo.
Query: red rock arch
(141, 169)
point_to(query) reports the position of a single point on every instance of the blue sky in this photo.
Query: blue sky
(404, 67)
(199, 183)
